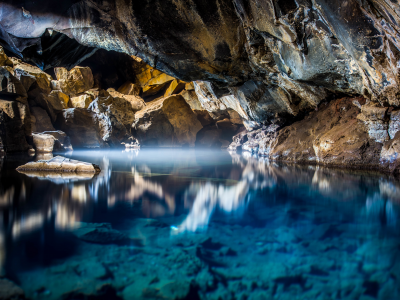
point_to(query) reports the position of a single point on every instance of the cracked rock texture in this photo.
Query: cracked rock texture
(275, 56)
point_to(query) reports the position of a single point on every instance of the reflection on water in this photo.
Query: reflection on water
(305, 221)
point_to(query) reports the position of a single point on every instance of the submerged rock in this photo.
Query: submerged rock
(10, 291)
(102, 233)
(60, 164)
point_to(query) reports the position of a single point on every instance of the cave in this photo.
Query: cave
(193, 149)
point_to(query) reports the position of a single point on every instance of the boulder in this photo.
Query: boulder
(136, 102)
(33, 78)
(40, 120)
(76, 81)
(167, 122)
(129, 88)
(60, 164)
(10, 291)
(115, 117)
(16, 125)
(53, 103)
(50, 141)
(81, 101)
(82, 126)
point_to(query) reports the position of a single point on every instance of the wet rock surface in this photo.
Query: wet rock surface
(10, 291)
(59, 164)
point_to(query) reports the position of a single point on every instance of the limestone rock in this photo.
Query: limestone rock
(167, 122)
(81, 101)
(76, 81)
(10, 291)
(40, 120)
(60, 164)
(129, 88)
(82, 126)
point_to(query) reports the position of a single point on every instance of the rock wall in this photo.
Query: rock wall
(341, 133)
(73, 110)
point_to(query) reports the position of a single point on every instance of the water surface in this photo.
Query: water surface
(191, 224)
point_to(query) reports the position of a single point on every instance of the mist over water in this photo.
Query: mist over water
(210, 224)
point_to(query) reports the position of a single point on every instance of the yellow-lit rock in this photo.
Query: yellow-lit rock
(76, 81)
(81, 101)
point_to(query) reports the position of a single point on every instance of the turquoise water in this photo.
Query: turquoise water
(190, 224)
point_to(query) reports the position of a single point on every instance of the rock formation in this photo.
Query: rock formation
(60, 164)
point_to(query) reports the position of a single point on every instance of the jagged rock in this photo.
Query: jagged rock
(175, 87)
(238, 140)
(81, 101)
(10, 291)
(32, 77)
(76, 81)
(82, 126)
(129, 88)
(4, 60)
(50, 141)
(394, 124)
(375, 118)
(167, 122)
(17, 125)
(136, 102)
(40, 120)
(390, 154)
(332, 135)
(191, 99)
(10, 85)
(60, 164)
(115, 117)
